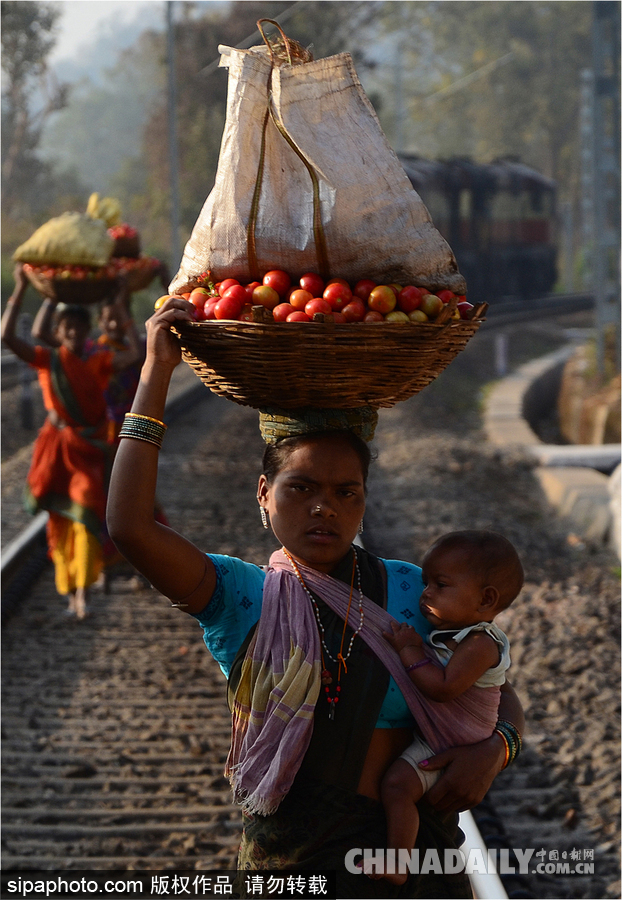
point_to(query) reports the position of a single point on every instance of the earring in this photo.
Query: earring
(361, 527)
(264, 517)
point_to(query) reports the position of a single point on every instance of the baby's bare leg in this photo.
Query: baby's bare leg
(400, 791)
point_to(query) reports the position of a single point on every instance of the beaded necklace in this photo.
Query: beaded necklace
(327, 678)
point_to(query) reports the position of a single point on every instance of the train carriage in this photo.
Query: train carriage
(499, 219)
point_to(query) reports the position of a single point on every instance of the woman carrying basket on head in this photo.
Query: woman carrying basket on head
(317, 718)
(72, 451)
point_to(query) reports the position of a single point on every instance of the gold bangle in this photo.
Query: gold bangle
(132, 415)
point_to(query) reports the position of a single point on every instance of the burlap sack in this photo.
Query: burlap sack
(69, 239)
(350, 212)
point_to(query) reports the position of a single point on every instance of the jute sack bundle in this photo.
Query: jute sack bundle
(69, 239)
(306, 181)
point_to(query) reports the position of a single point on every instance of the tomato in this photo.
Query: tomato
(249, 288)
(396, 288)
(317, 305)
(237, 293)
(312, 283)
(228, 308)
(337, 281)
(298, 316)
(281, 311)
(397, 317)
(464, 309)
(278, 280)
(266, 296)
(373, 316)
(446, 296)
(339, 318)
(299, 298)
(161, 301)
(338, 294)
(418, 315)
(209, 307)
(382, 299)
(354, 311)
(186, 296)
(227, 283)
(198, 297)
(409, 298)
(363, 288)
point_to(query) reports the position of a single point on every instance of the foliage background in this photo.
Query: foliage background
(471, 78)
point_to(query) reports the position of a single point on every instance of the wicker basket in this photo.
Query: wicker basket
(127, 246)
(140, 276)
(291, 365)
(72, 290)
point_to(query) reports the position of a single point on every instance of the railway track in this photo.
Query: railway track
(115, 730)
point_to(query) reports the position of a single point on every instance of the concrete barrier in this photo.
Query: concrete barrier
(576, 479)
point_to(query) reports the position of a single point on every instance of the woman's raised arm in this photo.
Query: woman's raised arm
(173, 565)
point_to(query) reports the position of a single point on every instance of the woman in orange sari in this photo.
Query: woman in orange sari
(68, 471)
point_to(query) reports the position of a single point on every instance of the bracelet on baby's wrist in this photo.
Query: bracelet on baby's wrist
(422, 662)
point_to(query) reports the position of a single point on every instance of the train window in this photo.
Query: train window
(465, 203)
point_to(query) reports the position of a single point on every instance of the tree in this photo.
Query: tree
(27, 38)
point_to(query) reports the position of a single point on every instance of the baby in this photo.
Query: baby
(469, 577)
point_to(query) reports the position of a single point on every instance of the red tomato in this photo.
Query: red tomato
(278, 281)
(363, 288)
(339, 318)
(409, 298)
(337, 281)
(281, 311)
(338, 294)
(354, 311)
(312, 283)
(446, 296)
(373, 316)
(299, 298)
(228, 308)
(382, 299)
(198, 297)
(208, 309)
(266, 296)
(227, 283)
(317, 305)
(198, 314)
(249, 288)
(298, 316)
(236, 292)
(465, 308)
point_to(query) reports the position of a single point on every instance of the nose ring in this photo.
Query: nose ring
(317, 509)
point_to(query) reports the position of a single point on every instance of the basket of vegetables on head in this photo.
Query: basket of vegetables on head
(79, 257)
(316, 272)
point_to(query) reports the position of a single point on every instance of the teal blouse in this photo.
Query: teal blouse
(236, 606)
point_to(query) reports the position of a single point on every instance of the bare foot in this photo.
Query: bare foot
(80, 603)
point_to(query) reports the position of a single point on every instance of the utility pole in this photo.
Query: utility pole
(606, 167)
(172, 137)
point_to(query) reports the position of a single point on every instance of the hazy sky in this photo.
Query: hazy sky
(81, 21)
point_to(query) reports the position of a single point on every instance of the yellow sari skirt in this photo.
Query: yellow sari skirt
(76, 553)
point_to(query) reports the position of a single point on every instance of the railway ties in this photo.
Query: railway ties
(115, 734)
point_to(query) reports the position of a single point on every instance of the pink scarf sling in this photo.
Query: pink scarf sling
(272, 715)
